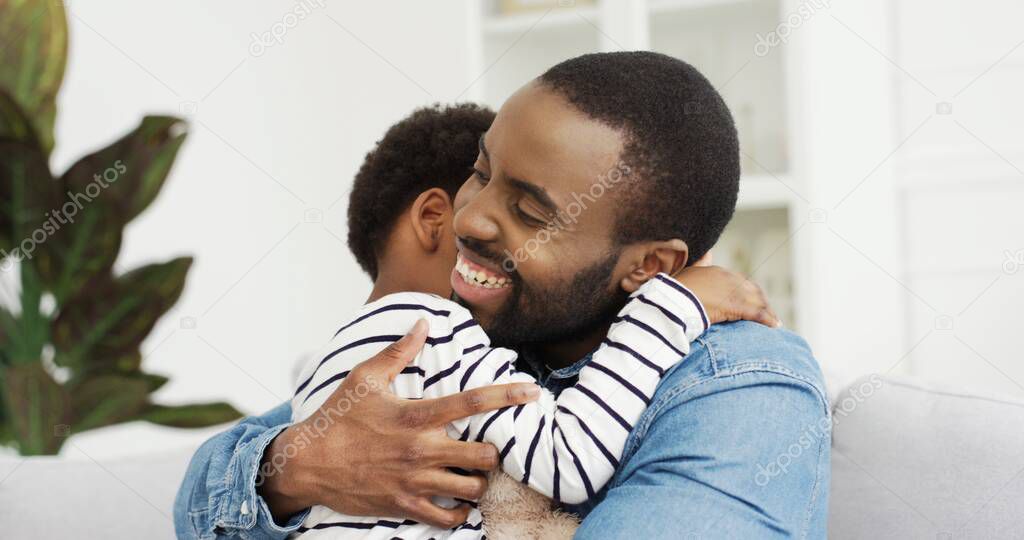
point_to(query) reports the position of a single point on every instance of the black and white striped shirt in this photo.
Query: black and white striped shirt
(566, 447)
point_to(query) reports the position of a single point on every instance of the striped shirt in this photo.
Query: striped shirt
(565, 447)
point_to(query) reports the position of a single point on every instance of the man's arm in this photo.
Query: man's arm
(738, 456)
(376, 455)
(218, 492)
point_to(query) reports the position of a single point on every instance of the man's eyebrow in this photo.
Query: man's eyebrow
(483, 148)
(536, 192)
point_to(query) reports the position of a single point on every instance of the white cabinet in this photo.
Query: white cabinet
(819, 99)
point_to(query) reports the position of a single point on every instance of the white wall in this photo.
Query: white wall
(960, 178)
(911, 212)
(850, 306)
(924, 236)
(271, 137)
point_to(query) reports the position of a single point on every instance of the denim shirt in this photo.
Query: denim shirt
(735, 444)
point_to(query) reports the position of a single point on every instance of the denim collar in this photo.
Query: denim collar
(573, 369)
(547, 376)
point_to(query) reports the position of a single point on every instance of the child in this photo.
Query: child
(565, 447)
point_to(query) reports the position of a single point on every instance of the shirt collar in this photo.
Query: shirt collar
(545, 374)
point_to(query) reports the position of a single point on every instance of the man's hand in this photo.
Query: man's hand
(366, 452)
(727, 295)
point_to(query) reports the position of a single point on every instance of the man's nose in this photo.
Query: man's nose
(477, 219)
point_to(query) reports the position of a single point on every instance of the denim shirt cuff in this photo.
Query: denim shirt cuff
(242, 508)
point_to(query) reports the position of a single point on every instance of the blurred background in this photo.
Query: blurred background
(883, 164)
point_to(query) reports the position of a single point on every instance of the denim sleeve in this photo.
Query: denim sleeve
(217, 498)
(743, 455)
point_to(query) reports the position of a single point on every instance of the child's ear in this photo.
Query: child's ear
(431, 212)
(647, 259)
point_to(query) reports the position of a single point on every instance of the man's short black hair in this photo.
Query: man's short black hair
(679, 137)
(432, 147)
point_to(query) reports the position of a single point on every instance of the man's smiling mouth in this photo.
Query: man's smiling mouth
(480, 276)
(479, 282)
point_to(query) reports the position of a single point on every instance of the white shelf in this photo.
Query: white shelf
(710, 34)
(758, 191)
(560, 18)
(664, 6)
(556, 18)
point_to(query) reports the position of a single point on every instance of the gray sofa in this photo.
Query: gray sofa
(908, 462)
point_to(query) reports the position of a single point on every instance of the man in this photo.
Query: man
(706, 457)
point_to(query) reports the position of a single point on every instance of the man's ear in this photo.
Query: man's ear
(431, 212)
(646, 259)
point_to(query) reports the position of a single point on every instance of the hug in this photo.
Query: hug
(540, 357)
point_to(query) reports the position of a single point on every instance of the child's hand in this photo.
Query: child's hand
(728, 296)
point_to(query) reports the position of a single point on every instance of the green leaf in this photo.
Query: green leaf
(33, 328)
(37, 408)
(15, 124)
(27, 191)
(8, 332)
(102, 192)
(81, 251)
(132, 170)
(33, 52)
(153, 382)
(191, 416)
(6, 430)
(103, 326)
(107, 399)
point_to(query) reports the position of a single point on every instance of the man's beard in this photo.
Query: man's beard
(562, 312)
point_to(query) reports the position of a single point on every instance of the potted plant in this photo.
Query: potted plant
(70, 328)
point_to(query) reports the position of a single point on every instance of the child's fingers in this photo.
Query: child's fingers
(768, 318)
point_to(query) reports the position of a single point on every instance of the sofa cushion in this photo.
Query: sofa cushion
(75, 497)
(910, 461)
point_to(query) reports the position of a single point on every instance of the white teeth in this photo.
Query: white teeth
(480, 278)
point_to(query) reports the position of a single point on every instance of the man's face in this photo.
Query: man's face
(535, 224)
